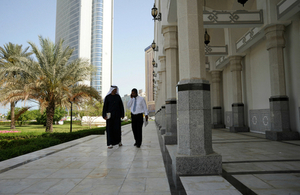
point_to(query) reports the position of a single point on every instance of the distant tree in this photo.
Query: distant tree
(91, 109)
(59, 113)
(21, 115)
(53, 80)
(9, 55)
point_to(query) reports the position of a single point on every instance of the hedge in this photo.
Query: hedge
(73, 122)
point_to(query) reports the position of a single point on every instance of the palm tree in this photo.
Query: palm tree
(9, 57)
(53, 80)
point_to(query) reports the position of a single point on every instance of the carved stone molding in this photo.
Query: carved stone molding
(216, 50)
(244, 42)
(287, 8)
(221, 62)
(234, 18)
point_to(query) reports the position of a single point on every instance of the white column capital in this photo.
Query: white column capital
(162, 60)
(275, 36)
(170, 37)
(216, 76)
(235, 63)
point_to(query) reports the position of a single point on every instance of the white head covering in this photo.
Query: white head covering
(111, 89)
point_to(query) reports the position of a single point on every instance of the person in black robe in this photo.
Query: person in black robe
(113, 104)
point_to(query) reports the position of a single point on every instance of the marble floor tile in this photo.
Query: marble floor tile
(199, 183)
(101, 181)
(277, 191)
(41, 186)
(100, 189)
(14, 186)
(134, 185)
(214, 192)
(157, 184)
(253, 182)
(71, 173)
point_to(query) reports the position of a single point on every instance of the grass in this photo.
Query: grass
(35, 130)
(33, 138)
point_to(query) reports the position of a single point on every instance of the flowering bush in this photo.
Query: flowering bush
(10, 131)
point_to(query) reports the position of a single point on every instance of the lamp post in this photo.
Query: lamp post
(154, 47)
(206, 38)
(71, 118)
(154, 64)
(155, 14)
(242, 2)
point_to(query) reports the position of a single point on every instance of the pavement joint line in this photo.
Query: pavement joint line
(42, 156)
(237, 184)
(263, 172)
(285, 142)
(235, 139)
(236, 142)
(261, 161)
(244, 133)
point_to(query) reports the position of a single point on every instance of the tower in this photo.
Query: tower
(87, 26)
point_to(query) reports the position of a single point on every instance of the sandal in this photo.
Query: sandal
(120, 144)
(110, 147)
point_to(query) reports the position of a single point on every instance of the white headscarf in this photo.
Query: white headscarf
(111, 89)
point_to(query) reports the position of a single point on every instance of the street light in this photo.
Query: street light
(154, 64)
(206, 38)
(154, 74)
(242, 2)
(154, 47)
(155, 14)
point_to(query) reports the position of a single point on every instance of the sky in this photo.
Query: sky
(24, 20)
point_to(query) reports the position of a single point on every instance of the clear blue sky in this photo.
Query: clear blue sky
(23, 20)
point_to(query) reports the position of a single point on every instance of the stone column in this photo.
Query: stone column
(237, 106)
(162, 79)
(171, 51)
(279, 101)
(217, 107)
(195, 155)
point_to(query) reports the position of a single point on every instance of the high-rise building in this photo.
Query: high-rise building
(87, 26)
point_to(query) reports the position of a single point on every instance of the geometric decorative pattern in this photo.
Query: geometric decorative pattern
(228, 119)
(216, 50)
(221, 61)
(259, 120)
(248, 37)
(287, 8)
(236, 18)
(254, 120)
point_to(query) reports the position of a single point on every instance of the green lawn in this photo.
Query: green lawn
(33, 138)
(39, 129)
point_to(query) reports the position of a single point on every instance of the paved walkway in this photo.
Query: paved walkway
(85, 166)
(251, 165)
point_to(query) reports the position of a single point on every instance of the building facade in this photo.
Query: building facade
(245, 79)
(149, 80)
(87, 26)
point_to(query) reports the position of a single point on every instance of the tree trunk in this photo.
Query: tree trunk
(50, 115)
(12, 115)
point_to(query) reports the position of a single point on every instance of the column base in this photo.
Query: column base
(217, 126)
(199, 165)
(162, 131)
(278, 136)
(169, 139)
(239, 129)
